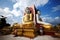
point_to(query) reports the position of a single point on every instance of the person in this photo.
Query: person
(15, 32)
(41, 30)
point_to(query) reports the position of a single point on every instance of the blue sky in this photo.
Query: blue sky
(13, 10)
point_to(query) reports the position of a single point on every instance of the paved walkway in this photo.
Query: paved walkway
(10, 37)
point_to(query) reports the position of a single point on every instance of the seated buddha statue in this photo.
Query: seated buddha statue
(28, 17)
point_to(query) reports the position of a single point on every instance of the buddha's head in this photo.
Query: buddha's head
(27, 10)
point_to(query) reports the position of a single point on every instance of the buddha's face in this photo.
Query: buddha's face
(27, 10)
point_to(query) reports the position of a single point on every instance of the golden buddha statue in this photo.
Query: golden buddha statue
(28, 17)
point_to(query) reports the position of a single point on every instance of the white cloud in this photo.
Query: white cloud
(50, 19)
(15, 12)
(24, 3)
(47, 18)
(56, 8)
(1, 11)
(57, 19)
(9, 14)
(6, 9)
(31, 2)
